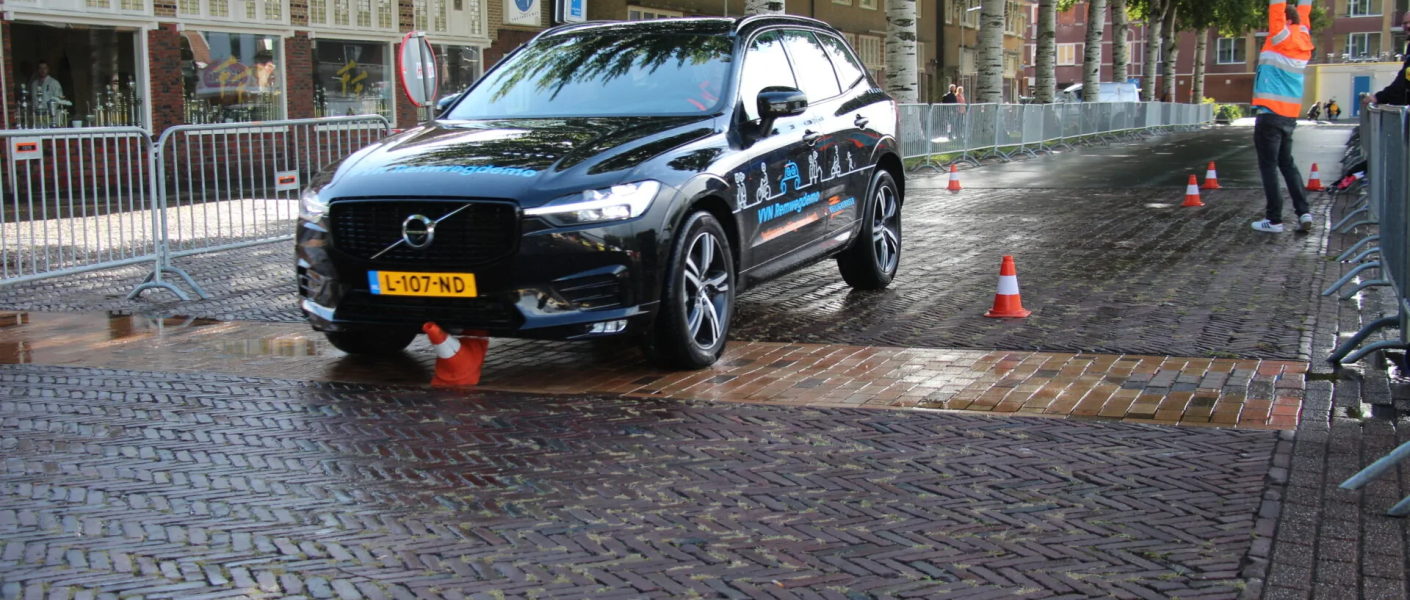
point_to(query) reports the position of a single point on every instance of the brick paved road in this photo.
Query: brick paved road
(1114, 271)
(181, 486)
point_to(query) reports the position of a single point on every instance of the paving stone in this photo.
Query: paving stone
(433, 479)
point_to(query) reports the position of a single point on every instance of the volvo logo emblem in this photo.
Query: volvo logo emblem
(418, 231)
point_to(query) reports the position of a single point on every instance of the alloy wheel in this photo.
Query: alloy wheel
(884, 229)
(706, 294)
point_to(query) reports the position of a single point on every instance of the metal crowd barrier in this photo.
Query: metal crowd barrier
(1385, 144)
(93, 198)
(941, 134)
(75, 200)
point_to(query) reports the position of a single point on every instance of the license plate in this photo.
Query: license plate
(398, 283)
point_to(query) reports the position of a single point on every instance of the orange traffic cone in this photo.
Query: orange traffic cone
(458, 361)
(1192, 193)
(1211, 179)
(1314, 182)
(954, 179)
(1007, 303)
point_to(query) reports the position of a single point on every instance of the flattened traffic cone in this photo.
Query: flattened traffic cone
(1192, 193)
(458, 361)
(1007, 303)
(1314, 182)
(1211, 179)
(954, 179)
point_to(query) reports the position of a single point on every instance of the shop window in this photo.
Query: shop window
(74, 76)
(459, 67)
(231, 77)
(352, 78)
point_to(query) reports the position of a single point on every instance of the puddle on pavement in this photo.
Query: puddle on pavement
(271, 347)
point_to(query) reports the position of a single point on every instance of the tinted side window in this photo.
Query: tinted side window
(765, 65)
(849, 72)
(811, 66)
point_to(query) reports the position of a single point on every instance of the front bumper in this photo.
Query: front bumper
(557, 284)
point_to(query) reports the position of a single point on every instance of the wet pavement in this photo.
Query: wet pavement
(159, 486)
(232, 452)
(1144, 389)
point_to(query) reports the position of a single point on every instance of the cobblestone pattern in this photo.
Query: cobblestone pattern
(153, 485)
(1103, 271)
(251, 284)
(1315, 539)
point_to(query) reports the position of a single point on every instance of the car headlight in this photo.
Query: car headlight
(617, 203)
(311, 207)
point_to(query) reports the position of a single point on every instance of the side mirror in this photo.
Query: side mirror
(779, 101)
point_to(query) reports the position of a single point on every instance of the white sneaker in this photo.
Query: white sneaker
(1268, 226)
(1304, 223)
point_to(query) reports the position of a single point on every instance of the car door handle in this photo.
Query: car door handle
(811, 137)
(861, 121)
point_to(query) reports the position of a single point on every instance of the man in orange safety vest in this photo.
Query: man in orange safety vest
(1277, 96)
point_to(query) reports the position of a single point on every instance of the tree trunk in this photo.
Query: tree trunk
(901, 50)
(1172, 54)
(1045, 59)
(989, 87)
(1197, 84)
(1092, 56)
(766, 7)
(1153, 19)
(1120, 54)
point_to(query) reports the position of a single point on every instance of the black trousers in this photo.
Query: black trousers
(1273, 139)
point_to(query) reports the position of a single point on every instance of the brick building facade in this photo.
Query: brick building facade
(1362, 31)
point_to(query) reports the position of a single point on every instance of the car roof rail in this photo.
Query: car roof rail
(753, 20)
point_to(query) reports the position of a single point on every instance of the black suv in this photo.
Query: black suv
(612, 179)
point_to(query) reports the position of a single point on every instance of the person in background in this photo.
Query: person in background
(1277, 96)
(950, 97)
(959, 95)
(1333, 111)
(1315, 112)
(1398, 92)
(44, 88)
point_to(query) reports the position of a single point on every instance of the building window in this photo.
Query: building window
(1067, 54)
(971, 14)
(189, 7)
(438, 21)
(230, 77)
(219, 8)
(871, 49)
(843, 2)
(1231, 51)
(274, 9)
(1363, 8)
(1133, 53)
(1362, 45)
(418, 14)
(364, 13)
(1014, 18)
(318, 11)
(384, 14)
(459, 67)
(341, 12)
(637, 13)
(73, 76)
(352, 78)
(952, 8)
(867, 4)
(920, 58)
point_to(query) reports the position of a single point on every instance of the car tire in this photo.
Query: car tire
(875, 255)
(692, 326)
(371, 342)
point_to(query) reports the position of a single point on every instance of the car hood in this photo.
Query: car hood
(528, 160)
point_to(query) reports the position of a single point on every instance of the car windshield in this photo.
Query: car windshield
(602, 75)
